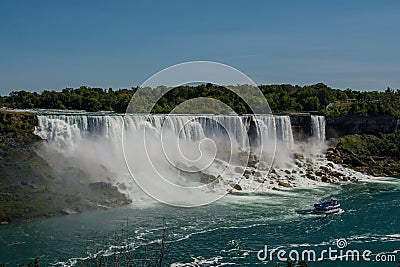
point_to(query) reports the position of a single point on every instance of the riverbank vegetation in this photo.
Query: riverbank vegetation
(281, 98)
(372, 154)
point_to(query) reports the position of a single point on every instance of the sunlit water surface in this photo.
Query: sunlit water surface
(230, 231)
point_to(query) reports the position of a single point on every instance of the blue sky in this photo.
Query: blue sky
(119, 44)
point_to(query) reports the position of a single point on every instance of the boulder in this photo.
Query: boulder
(298, 156)
(68, 211)
(237, 187)
(284, 184)
(324, 168)
(247, 173)
(207, 178)
(260, 180)
(324, 179)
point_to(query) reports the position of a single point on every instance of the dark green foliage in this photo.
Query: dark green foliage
(384, 145)
(281, 98)
(372, 154)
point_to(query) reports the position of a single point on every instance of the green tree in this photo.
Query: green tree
(311, 103)
(121, 103)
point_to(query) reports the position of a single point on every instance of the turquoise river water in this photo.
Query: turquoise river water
(229, 232)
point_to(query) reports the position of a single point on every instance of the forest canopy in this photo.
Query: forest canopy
(317, 98)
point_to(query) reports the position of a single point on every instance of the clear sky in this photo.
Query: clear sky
(57, 44)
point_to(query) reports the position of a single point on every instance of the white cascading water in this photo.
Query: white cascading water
(67, 130)
(93, 143)
(318, 127)
(278, 127)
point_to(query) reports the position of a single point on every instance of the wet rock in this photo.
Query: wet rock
(310, 176)
(336, 174)
(68, 211)
(324, 169)
(247, 173)
(122, 186)
(207, 178)
(298, 156)
(284, 184)
(100, 185)
(237, 187)
(298, 163)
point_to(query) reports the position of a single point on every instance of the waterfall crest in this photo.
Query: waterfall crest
(67, 130)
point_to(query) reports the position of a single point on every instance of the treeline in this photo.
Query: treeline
(281, 98)
(83, 98)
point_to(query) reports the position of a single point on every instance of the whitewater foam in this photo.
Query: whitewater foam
(94, 144)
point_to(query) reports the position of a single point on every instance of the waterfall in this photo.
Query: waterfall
(275, 128)
(66, 130)
(163, 153)
(318, 127)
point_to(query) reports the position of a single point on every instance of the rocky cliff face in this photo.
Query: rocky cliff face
(30, 188)
(357, 124)
(344, 125)
(301, 126)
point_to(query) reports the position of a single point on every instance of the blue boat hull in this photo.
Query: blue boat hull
(328, 207)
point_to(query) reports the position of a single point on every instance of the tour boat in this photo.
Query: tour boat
(327, 207)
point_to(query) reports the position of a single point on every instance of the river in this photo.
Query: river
(230, 231)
